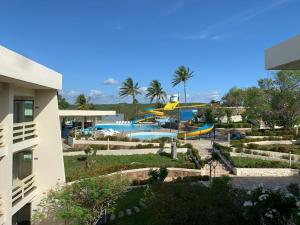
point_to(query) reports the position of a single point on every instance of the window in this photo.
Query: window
(23, 111)
(22, 166)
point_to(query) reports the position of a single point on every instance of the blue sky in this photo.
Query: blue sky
(96, 44)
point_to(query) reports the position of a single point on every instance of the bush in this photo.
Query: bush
(238, 150)
(158, 175)
(252, 146)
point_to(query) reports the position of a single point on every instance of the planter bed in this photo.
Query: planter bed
(75, 167)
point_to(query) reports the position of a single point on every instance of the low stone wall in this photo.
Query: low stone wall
(128, 151)
(265, 172)
(142, 174)
(257, 156)
(73, 143)
(280, 142)
(271, 154)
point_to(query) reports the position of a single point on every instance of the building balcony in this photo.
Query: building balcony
(22, 188)
(24, 135)
(1, 211)
(24, 131)
(2, 144)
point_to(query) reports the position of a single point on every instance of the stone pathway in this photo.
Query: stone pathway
(270, 182)
(127, 212)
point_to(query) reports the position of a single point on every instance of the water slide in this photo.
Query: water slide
(205, 129)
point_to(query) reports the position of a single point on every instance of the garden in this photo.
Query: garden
(172, 203)
(76, 166)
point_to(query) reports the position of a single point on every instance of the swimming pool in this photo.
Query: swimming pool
(152, 135)
(127, 127)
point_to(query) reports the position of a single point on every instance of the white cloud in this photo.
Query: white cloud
(70, 94)
(205, 97)
(175, 7)
(215, 31)
(143, 89)
(110, 81)
(95, 94)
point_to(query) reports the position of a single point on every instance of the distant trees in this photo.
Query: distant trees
(132, 89)
(155, 91)
(275, 100)
(62, 102)
(83, 103)
(182, 75)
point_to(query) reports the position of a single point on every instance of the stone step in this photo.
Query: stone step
(142, 204)
(129, 212)
(121, 214)
(112, 217)
(136, 209)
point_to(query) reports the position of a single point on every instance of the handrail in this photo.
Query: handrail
(1, 210)
(25, 186)
(1, 135)
(24, 131)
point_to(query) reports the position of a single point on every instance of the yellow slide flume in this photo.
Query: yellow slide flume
(200, 131)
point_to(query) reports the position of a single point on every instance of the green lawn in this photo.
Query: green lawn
(294, 149)
(142, 218)
(247, 162)
(75, 169)
(130, 199)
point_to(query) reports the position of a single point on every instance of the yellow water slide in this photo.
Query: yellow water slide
(207, 128)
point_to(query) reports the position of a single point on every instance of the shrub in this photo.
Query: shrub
(239, 150)
(158, 175)
(252, 146)
(247, 151)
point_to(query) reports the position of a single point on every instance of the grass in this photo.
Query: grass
(130, 199)
(143, 218)
(76, 169)
(294, 149)
(247, 162)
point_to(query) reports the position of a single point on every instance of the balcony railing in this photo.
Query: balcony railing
(1, 135)
(1, 209)
(24, 131)
(22, 188)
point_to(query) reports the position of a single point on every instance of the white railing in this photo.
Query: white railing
(1, 209)
(24, 131)
(1, 135)
(22, 188)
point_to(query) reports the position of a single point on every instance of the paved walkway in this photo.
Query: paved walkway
(204, 146)
(270, 182)
(128, 151)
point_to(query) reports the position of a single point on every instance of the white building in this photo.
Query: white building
(284, 56)
(31, 160)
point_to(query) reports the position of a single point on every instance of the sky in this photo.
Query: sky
(97, 44)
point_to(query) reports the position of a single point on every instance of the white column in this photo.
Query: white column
(6, 119)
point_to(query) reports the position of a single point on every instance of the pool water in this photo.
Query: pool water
(127, 127)
(152, 135)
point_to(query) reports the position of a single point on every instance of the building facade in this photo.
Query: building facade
(31, 158)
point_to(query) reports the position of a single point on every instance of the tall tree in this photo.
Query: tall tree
(155, 91)
(62, 102)
(234, 97)
(129, 88)
(182, 75)
(83, 103)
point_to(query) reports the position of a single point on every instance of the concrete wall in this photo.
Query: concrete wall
(283, 56)
(264, 172)
(15, 68)
(25, 79)
(49, 150)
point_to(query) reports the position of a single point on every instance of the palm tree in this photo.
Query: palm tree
(155, 91)
(129, 88)
(182, 74)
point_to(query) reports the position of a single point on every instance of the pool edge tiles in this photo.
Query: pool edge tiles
(152, 135)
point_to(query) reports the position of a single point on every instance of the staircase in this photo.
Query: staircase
(217, 169)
